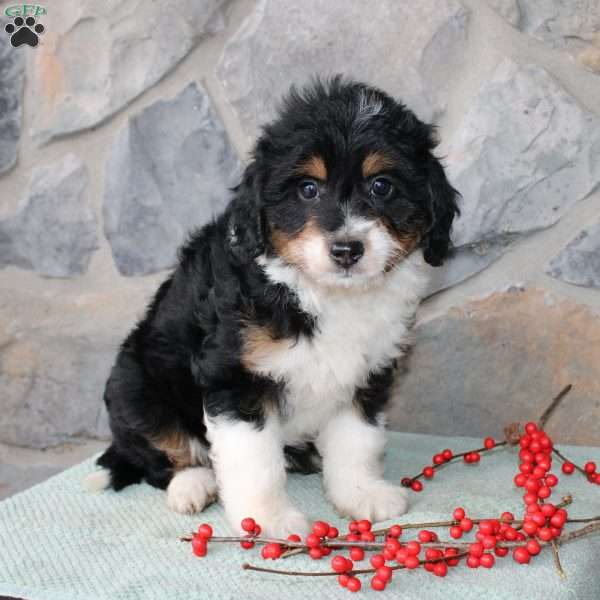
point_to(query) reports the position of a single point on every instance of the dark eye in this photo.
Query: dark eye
(381, 187)
(309, 190)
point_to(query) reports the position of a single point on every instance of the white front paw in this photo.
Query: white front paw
(275, 521)
(375, 500)
(191, 490)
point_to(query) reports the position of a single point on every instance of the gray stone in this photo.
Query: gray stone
(524, 155)
(560, 23)
(169, 171)
(54, 231)
(465, 262)
(52, 387)
(412, 50)
(579, 261)
(480, 366)
(12, 65)
(99, 56)
(509, 9)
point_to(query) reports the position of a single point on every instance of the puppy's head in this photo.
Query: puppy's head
(344, 186)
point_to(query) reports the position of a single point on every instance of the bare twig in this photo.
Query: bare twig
(553, 406)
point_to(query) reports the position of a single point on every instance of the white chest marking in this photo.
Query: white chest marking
(358, 331)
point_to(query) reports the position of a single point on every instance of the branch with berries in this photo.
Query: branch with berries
(542, 526)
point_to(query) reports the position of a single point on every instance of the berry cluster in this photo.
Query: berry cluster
(541, 525)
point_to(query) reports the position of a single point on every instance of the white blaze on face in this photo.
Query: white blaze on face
(381, 248)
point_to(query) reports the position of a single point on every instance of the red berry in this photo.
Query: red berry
(353, 537)
(353, 584)
(507, 517)
(388, 554)
(402, 555)
(520, 479)
(357, 554)
(406, 482)
(364, 525)
(489, 443)
(248, 524)
(551, 480)
(333, 532)
(377, 584)
(316, 553)
(392, 545)
(568, 468)
(447, 454)
(438, 459)
(343, 579)
(411, 562)
(313, 540)
(416, 486)
(246, 545)
(377, 561)
(384, 573)
(205, 531)
(545, 534)
(413, 548)
(428, 472)
(530, 428)
(353, 526)
(487, 561)
(533, 547)
(367, 536)
(466, 524)
(440, 569)
(558, 519)
(294, 537)
(459, 513)
(590, 467)
(320, 528)
(530, 498)
(424, 536)
(199, 547)
(489, 541)
(476, 549)
(500, 551)
(326, 550)
(548, 509)
(475, 457)
(473, 562)
(257, 530)
(486, 527)
(530, 528)
(339, 563)
(456, 532)
(521, 555)
(395, 531)
(449, 553)
(544, 492)
(272, 551)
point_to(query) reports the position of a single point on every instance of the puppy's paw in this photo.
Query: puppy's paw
(191, 490)
(376, 500)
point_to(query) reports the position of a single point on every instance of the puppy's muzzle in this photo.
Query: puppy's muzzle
(347, 253)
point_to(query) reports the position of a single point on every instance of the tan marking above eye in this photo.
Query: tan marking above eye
(375, 162)
(314, 167)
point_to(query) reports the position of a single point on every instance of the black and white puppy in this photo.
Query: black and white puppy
(272, 345)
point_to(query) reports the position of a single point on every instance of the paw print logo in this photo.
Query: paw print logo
(24, 31)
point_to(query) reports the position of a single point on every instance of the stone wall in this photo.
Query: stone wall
(125, 126)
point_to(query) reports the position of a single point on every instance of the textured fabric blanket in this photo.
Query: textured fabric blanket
(59, 542)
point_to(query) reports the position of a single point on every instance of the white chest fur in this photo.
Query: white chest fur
(358, 331)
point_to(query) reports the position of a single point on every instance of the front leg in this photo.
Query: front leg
(250, 468)
(352, 451)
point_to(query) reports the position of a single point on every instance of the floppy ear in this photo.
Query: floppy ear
(245, 225)
(444, 207)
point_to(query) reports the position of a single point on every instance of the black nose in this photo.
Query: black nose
(346, 254)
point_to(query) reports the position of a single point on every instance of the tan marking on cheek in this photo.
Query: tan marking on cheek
(292, 248)
(258, 345)
(375, 163)
(314, 168)
(405, 243)
(176, 445)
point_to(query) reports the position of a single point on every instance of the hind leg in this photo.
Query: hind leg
(191, 490)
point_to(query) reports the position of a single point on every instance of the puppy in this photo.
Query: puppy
(272, 345)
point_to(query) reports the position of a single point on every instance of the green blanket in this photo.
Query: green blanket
(59, 542)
